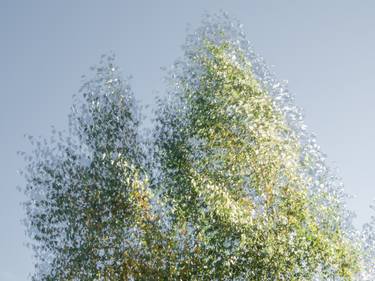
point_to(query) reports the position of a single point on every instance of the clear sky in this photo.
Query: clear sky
(324, 48)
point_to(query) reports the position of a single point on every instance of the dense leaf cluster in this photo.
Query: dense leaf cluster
(230, 187)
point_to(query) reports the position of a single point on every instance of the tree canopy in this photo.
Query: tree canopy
(231, 185)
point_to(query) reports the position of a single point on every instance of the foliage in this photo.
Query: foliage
(368, 250)
(87, 190)
(234, 188)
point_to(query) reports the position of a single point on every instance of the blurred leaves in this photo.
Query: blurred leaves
(231, 186)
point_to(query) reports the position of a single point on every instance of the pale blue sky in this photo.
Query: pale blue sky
(324, 48)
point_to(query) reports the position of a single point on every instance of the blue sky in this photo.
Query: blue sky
(324, 48)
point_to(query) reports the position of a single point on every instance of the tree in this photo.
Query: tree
(242, 174)
(88, 191)
(232, 187)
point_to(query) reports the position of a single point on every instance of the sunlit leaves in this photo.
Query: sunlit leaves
(230, 187)
(238, 165)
